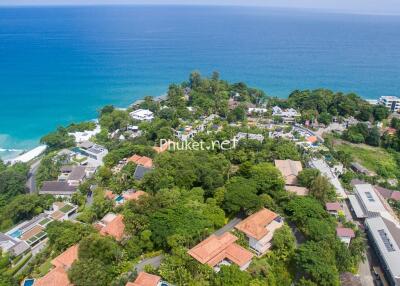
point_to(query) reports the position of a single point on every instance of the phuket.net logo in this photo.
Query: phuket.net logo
(199, 145)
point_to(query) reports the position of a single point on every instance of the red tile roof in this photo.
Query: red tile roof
(163, 147)
(333, 206)
(114, 228)
(141, 160)
(395, 196)
(215, 249)
(145, 279)
(255, 225)
(345, 232)
(109, 195)
(312, 139)
(133, 196)
(58, 276)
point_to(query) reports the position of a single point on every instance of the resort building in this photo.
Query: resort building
(142, 115)
(367, 202)
(289, 169)
(384, 236)
(345, 234)
(260, 228)
(31, 233)
(141, 160)
(216, 251)
(257, 110)
(112, 225)
(94, 153)
(391, 102)
(145, 279)
(58, 276)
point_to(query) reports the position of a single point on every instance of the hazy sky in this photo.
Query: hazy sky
(353, 6)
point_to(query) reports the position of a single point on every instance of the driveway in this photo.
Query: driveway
(153, 261)
(228, 227)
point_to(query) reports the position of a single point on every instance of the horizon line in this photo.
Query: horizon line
(327, 11)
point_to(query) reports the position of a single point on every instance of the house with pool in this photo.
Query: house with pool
(29, 234)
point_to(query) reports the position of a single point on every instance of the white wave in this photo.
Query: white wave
(10, 150)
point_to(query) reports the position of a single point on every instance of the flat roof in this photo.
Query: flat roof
(386, 235)
(369, 199)
(356, 206)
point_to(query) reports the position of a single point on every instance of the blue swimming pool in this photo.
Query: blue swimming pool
(28, 282)
(16, 233)
(119, 199)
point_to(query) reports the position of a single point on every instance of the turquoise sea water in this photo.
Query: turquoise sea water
(59, 65)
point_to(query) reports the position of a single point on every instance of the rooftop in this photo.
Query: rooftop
(145, 279)
(141, 160)
(289, 169)
(77, 173)
(333, 206)
(57, 188)
(345, 232)
(114, 228)
(215, 249)
(256, 225)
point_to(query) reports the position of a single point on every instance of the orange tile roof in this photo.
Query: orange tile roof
(56, 277)
(255, 225)
(214, 249)
(289, 169)
(66, 258)
(312, 139)
(145, 279)
(114, 228)
(164, 147)
(141, 160)
(109, 195)
(133, 196)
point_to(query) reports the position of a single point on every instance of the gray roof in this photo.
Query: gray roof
(66, 169)
(86, 144)
(140, 171)
(19, 248)
(77, 173)
(57, 188)
(386, 236)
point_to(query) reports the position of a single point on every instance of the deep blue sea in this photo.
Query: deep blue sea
(59, 65)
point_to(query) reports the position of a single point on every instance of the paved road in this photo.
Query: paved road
(153, 261)
(31, 183)
(228, 227)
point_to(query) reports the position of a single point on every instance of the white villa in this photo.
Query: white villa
(142, 115)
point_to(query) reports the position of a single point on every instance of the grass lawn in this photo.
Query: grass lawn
(373, 158)
(45, 267)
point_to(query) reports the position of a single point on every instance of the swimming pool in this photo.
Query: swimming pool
(28, 282)
(119, 199)
(16, 233)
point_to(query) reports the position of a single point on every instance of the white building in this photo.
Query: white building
(260, 228)
(142, 115)
(93, 152)
(391, 102)
(252, 136)
(384, 236)
(85, 135)
(367, 203)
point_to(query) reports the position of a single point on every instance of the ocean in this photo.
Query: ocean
(61, 64)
